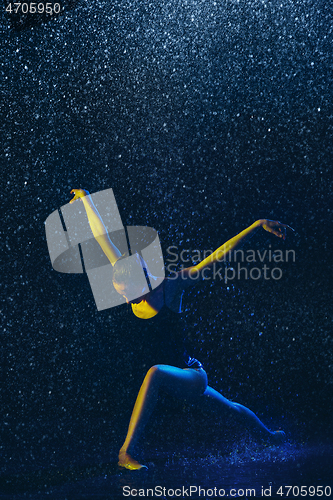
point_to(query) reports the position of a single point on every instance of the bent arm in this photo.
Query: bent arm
(97, 226)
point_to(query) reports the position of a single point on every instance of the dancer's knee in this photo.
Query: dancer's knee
(153, 374)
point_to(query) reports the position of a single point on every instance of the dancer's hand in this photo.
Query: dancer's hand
(276, 227)
(79, 193)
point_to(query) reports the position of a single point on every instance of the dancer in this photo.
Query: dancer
(176, 372)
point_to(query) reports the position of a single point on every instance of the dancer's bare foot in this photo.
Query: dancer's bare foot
(125, 460)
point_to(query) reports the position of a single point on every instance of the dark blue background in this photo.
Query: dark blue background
(203, 117)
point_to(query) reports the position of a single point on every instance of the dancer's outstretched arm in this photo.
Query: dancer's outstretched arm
(195, 273)
(97, 226)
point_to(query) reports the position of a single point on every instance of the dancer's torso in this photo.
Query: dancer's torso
(164, 337)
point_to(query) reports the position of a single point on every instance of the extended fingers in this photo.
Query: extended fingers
(278, 229)
(283, 230)
(289, 227)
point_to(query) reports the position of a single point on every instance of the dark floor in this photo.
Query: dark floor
(81, 469)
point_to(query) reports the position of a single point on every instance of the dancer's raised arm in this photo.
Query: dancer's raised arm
(195, 273)
(97, 226)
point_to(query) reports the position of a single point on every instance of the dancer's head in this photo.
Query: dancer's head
(129, 278)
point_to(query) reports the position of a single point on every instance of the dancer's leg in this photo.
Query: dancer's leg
(235, 409)
(187, 383)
